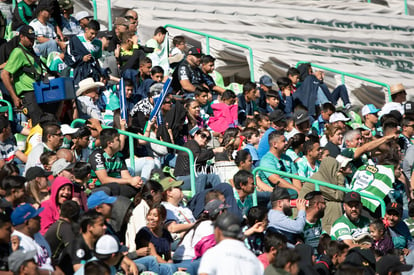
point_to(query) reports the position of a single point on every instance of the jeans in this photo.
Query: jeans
(151, 264)
(203, 181)
(143, 167)
(45, 48)
(190, 265)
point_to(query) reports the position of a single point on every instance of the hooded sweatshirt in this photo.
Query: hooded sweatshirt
(51, 211)
(328, 172)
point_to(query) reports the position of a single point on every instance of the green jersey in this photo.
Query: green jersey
(344, 229)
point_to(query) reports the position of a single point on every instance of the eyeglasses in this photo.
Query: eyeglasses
(58, 134)
(204, 136)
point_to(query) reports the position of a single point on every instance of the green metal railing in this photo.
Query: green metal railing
(209, 36)
(317, 184)
(95, 13)
(131, 137)
(9, 108)
(343, 74)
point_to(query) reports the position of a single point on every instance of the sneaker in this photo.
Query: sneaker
(347, 107)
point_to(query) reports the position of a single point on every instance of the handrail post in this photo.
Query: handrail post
(156, 141)
(317, 183)
(9, 108)
(95, 10)
(109, 15)
(207, 44)
(208, 37)
(350, 75)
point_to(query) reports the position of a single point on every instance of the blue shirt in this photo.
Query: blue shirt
(263, 147)
(253, 153)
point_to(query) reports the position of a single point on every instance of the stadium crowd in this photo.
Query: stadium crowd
(74, 201)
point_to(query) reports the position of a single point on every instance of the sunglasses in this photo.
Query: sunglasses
(167, 102)
(204, 136)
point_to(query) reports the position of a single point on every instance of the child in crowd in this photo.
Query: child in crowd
(251, 122)
(201, 96)
(273, 242)
(252, 138)
(157, 74)
(382, 242)
(254, 230)
(225, 113)
(178, 45)
(272, 101)
(264, 123)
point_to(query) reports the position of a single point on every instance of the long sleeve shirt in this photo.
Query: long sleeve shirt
(279, 220)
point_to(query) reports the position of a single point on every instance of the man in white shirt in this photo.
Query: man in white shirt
(229, 256)
(26, 221)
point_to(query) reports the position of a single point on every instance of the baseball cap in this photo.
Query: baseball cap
(351, 197)
(397, 88)
(277, 115)
(338, 116)
(121, 21)
(34, 172)
(394, 207)
(18, 257)
(98, 198)
(23, 213)
(67, 130)
(169, 182)
(106, 34)
(392, 107)
(213, 207)
(82, 14)
(369, 109)
(60, 165)
(266, 81)
(65, 4)
(343, 160)
(409, 108)
(107, 245)
(229, 224)
(279, 194)
(300, 116)
(195, 51)
(391, 263)
(27, 31)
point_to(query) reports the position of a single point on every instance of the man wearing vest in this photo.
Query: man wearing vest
(24, 68)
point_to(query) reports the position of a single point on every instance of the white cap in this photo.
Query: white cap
(343, 161)
(82, 14)
(67, 130)
(391, 106)
(338, 116)
(107, 245)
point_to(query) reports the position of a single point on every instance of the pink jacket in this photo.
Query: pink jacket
(225, 116)
(51, 211)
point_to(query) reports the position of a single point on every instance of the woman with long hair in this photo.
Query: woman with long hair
(151, 193)
(295, 146)
(154, 237)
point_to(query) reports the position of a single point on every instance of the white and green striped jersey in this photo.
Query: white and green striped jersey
(375, 180)
(344, 229)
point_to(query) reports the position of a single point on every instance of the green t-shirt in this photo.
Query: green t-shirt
(94, 47)
(312, 232)
(344, 229)
(22, 81)
(100, 160)
(284, 164)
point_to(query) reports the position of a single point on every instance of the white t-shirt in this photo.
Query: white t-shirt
(230, 257)
(186, 249)
(40, 245)
(137, 221)
(179, 214)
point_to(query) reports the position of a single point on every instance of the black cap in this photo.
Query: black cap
(352, 196)
(106, 34)
(279, 194)
(195, 51)
(277, 115)
(391, 263)
(394, 207)
(34, 172)
(27, 31)
(229, 224)
(300, 116)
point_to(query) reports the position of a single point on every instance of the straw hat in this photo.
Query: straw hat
(397, 88)
(86, 84)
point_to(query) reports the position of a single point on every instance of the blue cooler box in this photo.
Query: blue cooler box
(57, 89)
